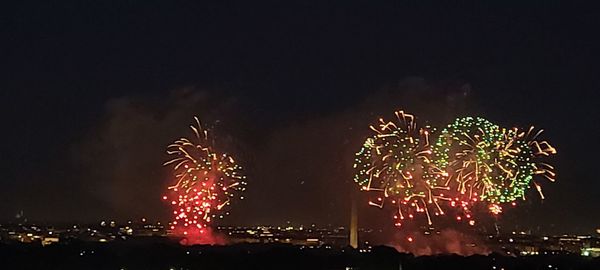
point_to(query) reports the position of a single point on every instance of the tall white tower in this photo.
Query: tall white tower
(354, 225)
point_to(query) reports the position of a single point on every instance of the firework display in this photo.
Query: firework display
(495, 163)
(206, 183)
(396, 164)
(471, 163)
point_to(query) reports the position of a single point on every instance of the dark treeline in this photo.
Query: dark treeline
(166, 255)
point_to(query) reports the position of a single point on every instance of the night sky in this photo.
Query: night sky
(91, 94)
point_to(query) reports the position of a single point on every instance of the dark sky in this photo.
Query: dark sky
(91, 93)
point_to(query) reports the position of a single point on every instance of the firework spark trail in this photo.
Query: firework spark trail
(495, 163)
(206, 183)
(395, 164)
(471, 162)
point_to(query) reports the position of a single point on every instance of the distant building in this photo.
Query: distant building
(591, 252)
(49, 240)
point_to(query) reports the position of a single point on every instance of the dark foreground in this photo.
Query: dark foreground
(152, 255)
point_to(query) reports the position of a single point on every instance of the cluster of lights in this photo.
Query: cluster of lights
(206, 183)
(472, 162)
